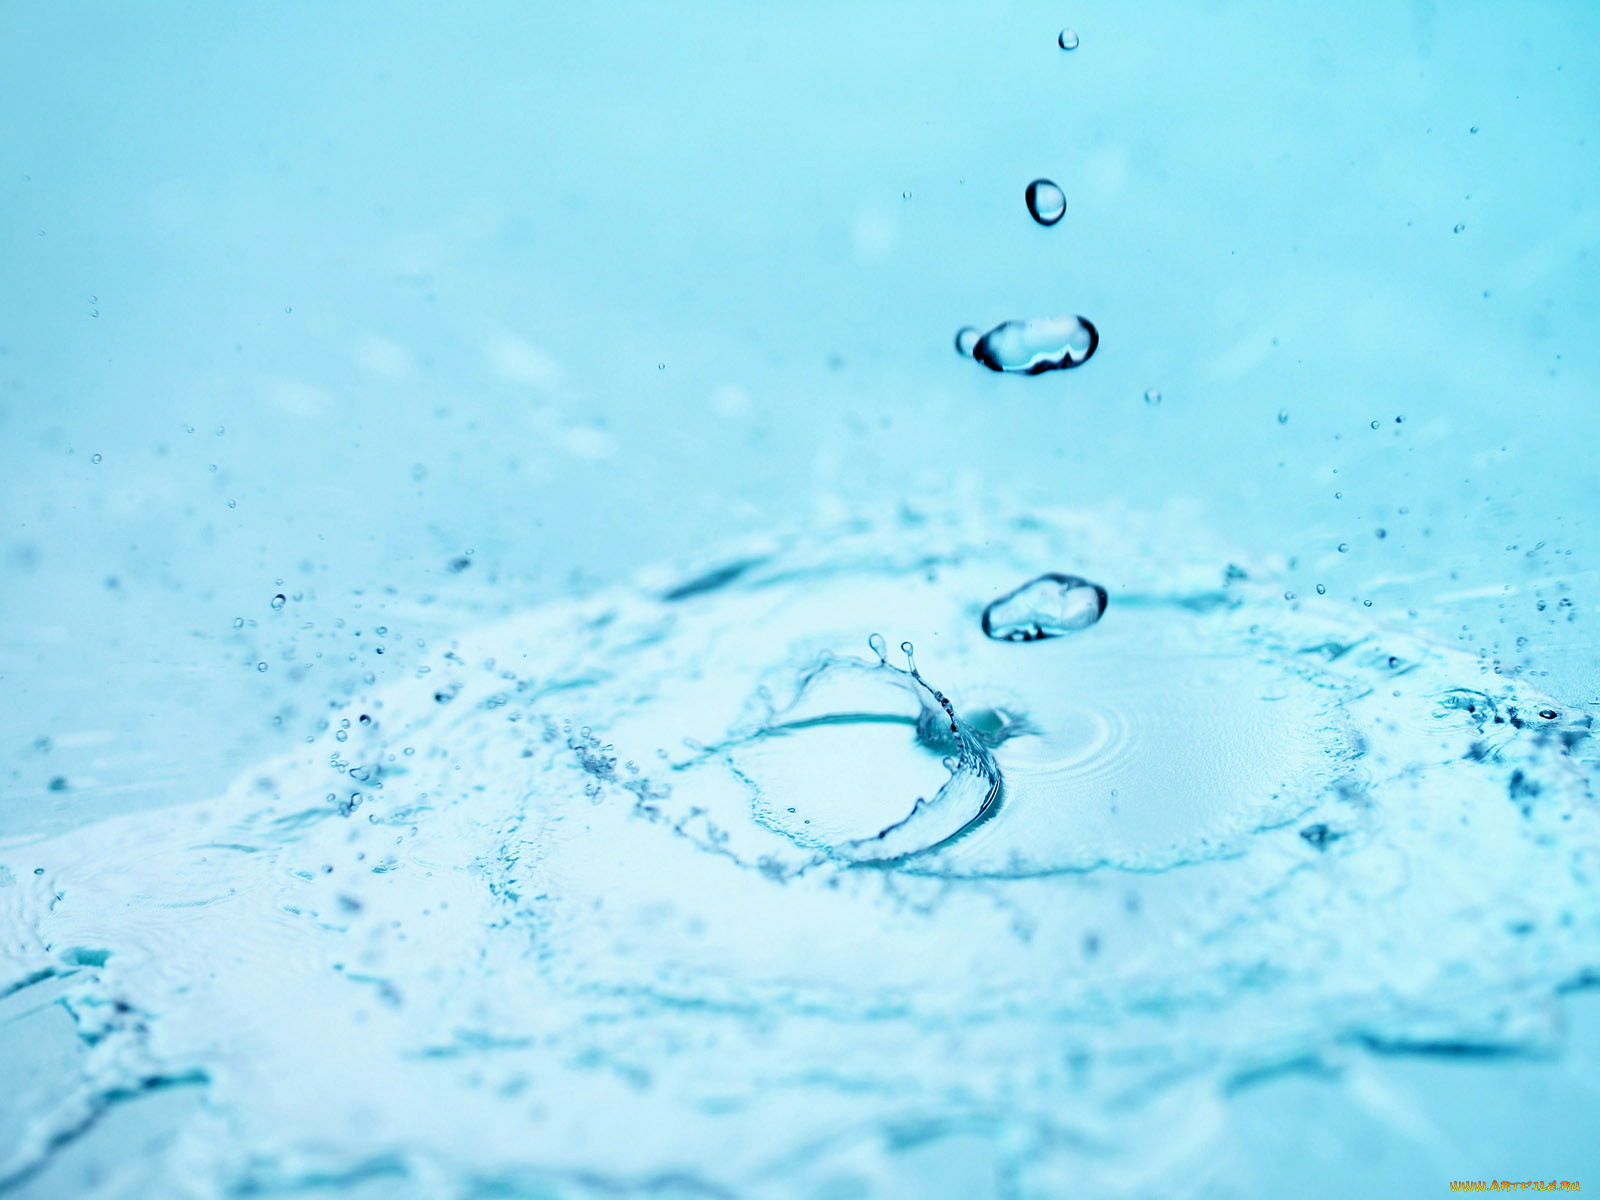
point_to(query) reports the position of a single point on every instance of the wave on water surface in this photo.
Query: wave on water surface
(696, 850)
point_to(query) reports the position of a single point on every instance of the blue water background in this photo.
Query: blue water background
(326, 300)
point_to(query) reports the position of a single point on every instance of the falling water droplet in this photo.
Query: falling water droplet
(1033, 347)
(1458, 229)
(1046, 607)
(1068, 39)
(967, 339)
(1283, 416)
(278, 600)
(1151, 396)
(94, 458)
(1046, 201)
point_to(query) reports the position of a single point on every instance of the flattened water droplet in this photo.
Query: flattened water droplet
(1046, 607)
(1033, 347)
(1068, 39)
(1046, 201)
(967, 340)
(1151, 396)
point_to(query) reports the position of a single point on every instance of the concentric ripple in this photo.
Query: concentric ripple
(682, 888)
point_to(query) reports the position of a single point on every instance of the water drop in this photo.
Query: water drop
(1046, 201)
(1344, 547)
(94, 458)
(1283, 416)
(261, 666)
(1458, 229)
(1046, 607)
(879, 647)
(1068, 39)
(1321, 591)
(1033, 347)
(1151, 396)
(278, 600)
(967, 339)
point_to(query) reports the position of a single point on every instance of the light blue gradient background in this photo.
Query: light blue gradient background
(628, 281)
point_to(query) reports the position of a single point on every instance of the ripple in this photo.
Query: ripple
(679, 864)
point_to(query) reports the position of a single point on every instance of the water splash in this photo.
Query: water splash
(573, 926)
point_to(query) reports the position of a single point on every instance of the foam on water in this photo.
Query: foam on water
(673, 889)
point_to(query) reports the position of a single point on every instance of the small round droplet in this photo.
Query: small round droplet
(1068, 39)
(1321, 591)
(94, 458)
(1458, 228)
(1344, 547)
(261, 666)
(1046, 201)
(1283, 416)
(1033, 347)
(279, 600)
(967, 340)
(1151, 396)
(1046, 607)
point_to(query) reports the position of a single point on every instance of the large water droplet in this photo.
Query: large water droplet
(967, 340)
(1033, 347)
(1046, 607)
(1046, 201)
(1068, 39)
